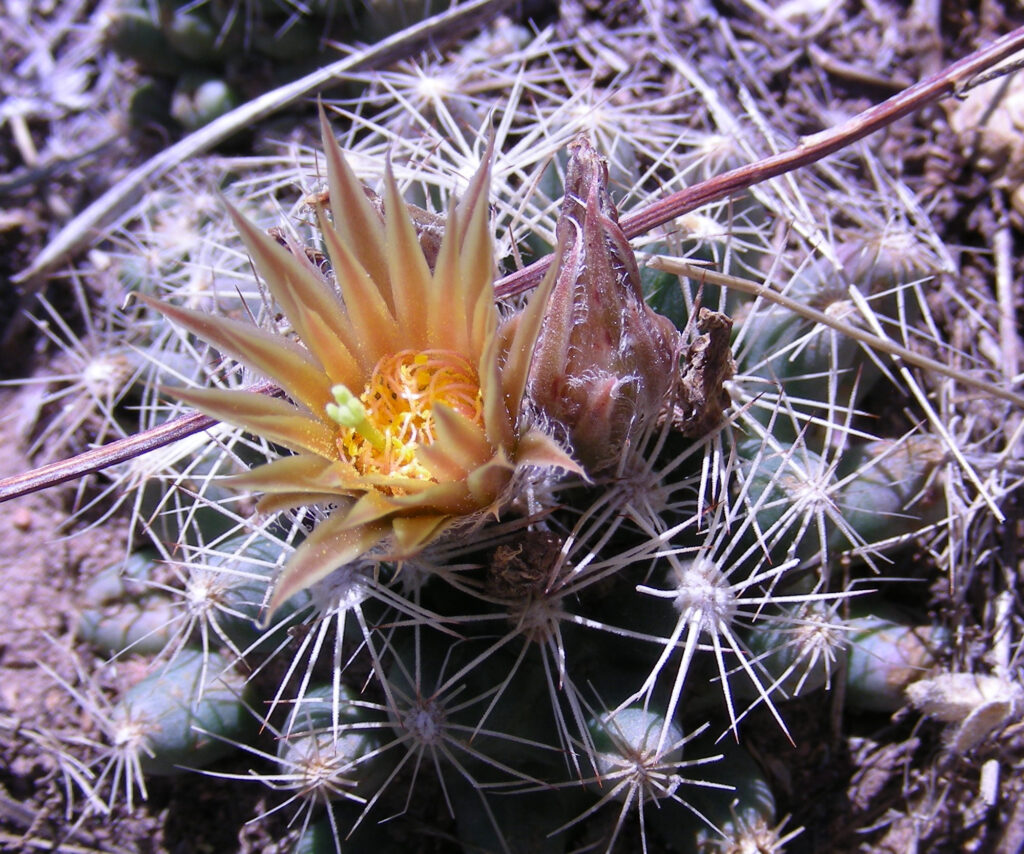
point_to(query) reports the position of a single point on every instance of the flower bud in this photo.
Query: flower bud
(605, 362)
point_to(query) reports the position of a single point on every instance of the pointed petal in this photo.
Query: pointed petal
(407, 268)
(476, 269)
(278, 502)
(487, 483)
(357, 224)
(499, 419)
(321, 335)
(283, 361)
(443, 464)
(442, 499)
(299, 473)
(537, 448)
(392, 484)
(330, 546)
(372, 507)
(306, 299)
(516, 369)
(413, 534)
(483, 312)
(459, 445)
(379, 334)
(465, 267)
(438, 499)
(273, 419)
(476, 196)
(448, 309)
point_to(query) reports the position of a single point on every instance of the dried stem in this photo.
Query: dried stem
(113, 453)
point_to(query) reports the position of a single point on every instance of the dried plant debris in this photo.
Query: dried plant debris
(701, 397)
(974, 705)
(989, 124)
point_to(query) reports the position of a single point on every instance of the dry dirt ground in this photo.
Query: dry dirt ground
(44, 564)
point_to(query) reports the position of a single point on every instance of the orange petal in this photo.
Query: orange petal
(447, 499)
(407, 268)
(476, 273)
(273, 419)
(441, 499)
(461, 441)
(443, 464)
(487, 483)
(278, 502)
(448, 310)
(371, 316)
(413, 534)
(372, 507)
(499, 410)
(475, 199)
(355, 220)
(520, 351)
(536, 448)
(304, 295)
(275, 357)
(300, 473)
(330, 546)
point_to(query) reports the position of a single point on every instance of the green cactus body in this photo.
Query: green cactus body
(122, 612)
(132, 34)
(884, 658)
(515, 822)
(892, 488)
(184, 714)
(733, 812)
(799, 648)
(331, 746)
(199, 99)
(242, 570)
(636, 746)
(783, 488)
(193, 36)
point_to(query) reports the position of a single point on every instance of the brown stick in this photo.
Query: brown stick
(115, 452)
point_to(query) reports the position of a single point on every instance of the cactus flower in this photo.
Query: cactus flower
(403, 400)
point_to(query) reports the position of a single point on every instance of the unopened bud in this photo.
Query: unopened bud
(605, 362)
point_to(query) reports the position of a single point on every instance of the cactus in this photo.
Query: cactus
(182, 716)
(544, 588)
(464, 593)
(123, 612)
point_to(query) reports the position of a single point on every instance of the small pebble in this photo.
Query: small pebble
(22, 518)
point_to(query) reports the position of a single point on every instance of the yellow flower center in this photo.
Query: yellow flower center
(383, 427)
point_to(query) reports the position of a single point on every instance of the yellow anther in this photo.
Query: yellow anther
(393, 416)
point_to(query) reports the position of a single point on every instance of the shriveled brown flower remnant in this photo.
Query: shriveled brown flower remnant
(700, 397)
(605, 362)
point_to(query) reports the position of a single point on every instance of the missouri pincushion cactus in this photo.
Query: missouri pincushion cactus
(469, 560)
(541, 550)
